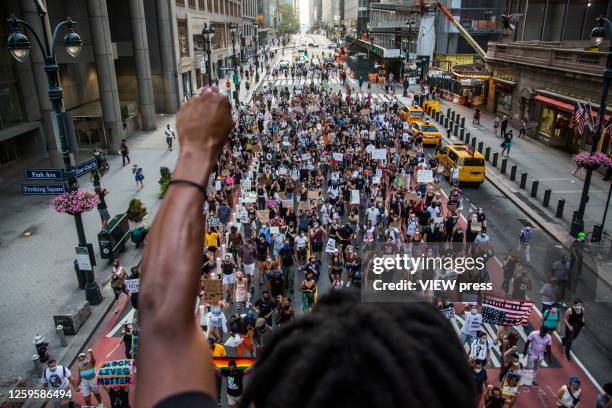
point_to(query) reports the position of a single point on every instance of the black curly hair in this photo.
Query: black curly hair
(348, 353)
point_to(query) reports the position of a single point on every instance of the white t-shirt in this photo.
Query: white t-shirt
(300, 241)
(479, 350)
(372, 213)
(57, 379)
(169, 132)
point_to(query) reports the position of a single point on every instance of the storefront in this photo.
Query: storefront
(502, 96)
(466, 84)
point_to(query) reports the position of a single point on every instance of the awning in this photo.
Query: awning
(554, 103)
(504, 81)
(570, 100)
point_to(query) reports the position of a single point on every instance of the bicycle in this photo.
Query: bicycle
(603, 238)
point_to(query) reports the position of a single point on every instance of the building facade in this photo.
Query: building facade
(124, 75)
(249, 28)
(541, 82)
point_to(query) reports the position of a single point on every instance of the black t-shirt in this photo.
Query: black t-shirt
(102, 204)
(265, 306)
(234, 381)
(189, 399)
(119, 398)
(286, 254)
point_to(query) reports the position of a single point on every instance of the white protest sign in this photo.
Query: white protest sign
(338, 156)
(379, 173)
(217, 185)
(449, 313)
(475, 323)
(425, 176)
(274, 230)
(245, 184)
(375, 180)
(330, 248)
(213, 221)
(379, 154)
(132, 285)
(355, 197)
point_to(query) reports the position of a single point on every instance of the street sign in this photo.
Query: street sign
(44, 174)
(43, 189)
(85, 167)
(83, 260)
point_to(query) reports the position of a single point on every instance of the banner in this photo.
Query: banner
(241, 362)
(355, 197)
(132, 285)
(379, 154)
(213, 290)
(274, 230)
(330, 248)
(425, 176)
(116, 373)
(213, 221)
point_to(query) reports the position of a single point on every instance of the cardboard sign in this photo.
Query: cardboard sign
(379, 154)
(338, 156)
(116, 373)
(364, 112)
(282, 171)
(449, 313)
(287, 203)
(511, 383)
(355, 197)
(412, 152)
(306, 156)
(263, 216)
(412, 197)
(274, 230)
(330, 248)
(213, 221)
(132, 285)
(438, 220)
(375, 180)
(304, 206)
(476, 226)
(527, 377)
(213, 290)
(425, 176)
(313, 195)
(225, 173)
(256, 148)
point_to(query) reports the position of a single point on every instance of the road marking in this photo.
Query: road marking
(128, 318)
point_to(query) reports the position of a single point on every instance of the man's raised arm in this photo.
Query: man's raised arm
(172, 356)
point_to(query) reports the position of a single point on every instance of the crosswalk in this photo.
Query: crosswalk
(297, 83)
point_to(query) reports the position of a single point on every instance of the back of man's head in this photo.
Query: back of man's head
(348, 353)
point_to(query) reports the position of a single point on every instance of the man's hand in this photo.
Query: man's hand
(203, 124)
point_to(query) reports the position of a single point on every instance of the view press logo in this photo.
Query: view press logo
(411, 272)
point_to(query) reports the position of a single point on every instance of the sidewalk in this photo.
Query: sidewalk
(38, 275)
(551, 167)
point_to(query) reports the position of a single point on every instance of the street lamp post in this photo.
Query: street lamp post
(256, 54)
(19, 45)
(233, 29)
(598, 35)
(208, 31)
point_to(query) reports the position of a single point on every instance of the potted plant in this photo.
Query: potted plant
(136, 213)
(75, 202)
(592, 161)
(164, 180)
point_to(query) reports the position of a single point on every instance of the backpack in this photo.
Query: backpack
(54, 380)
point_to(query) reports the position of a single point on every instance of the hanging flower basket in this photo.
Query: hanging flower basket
(592, 161)
(75, 202)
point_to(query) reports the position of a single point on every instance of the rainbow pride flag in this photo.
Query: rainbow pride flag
(241, 362)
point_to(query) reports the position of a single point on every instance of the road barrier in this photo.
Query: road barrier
(456, 129)
(546, 200)
(467, 138)
(474, 143)
(461, 133)
(495, 158)
(534, 188)
(480, 147)
(487, 152)
(513, 172)
(523, 182)
(504, 165)
(462, 122)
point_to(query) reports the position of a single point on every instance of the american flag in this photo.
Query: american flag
(579, 118)
(506, 312)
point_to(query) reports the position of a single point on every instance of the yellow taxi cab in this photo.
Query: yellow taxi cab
(431, 134)
(470, 162)
(412, 113)
(435, 105)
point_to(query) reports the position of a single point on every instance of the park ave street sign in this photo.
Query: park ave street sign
(44, 174)
(43, 189)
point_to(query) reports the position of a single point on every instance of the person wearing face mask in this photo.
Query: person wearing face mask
(538, 348)
(471, 325)
(480, 378)
(574, 322)
(57, 378)
(86, 367)
(493, 397)
(568, 396)
(480, 349)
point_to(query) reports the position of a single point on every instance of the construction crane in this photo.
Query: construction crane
(481, 53)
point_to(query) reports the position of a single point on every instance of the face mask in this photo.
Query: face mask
(579, 308)
(52, 369)
(478, 370)
(83, 362)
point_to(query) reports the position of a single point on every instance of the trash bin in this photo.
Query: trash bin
(80, 275)
(112, 239)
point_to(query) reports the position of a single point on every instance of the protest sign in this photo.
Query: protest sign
(213, 290)
(330, 248)
(245, 184)
(263, 216)
(288, 203)
(306, 156)
(449, 313)
(338, 156)
(274, 230)
(116, 373)
(412, 197)
(476, 226)
(511, 383)
(355, 197)
(304, 206)
(313, 195)
(438, 220)
(475, 324)
(282, 171)
(527, 376)
(425, 176)
(225, 173)
(379, 173)
(364, 112)
(379, 154)
(375, 180)
(217, 185)
(132, 285)
(213, 221)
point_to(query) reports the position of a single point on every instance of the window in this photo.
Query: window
(470, 161)
(452, 155)
(216, 6)
(180, 3)
(10, 104)
(182, 37)
(202, 4)
(209, 4)
(547, 121)
(192, 4)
